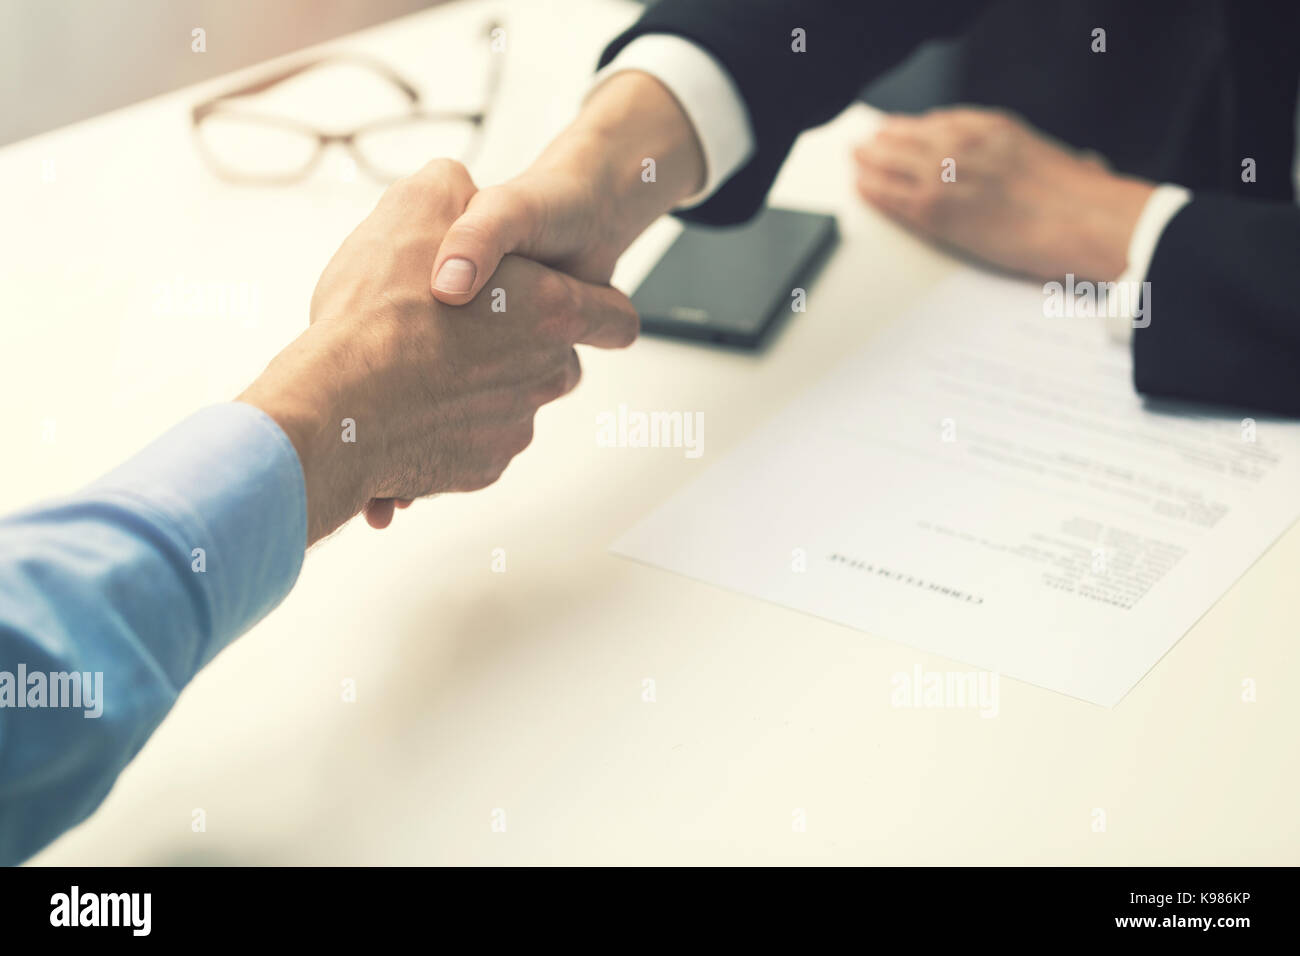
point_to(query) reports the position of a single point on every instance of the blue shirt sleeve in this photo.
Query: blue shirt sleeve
(113, 598)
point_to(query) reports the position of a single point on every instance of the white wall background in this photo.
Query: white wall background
(65, 60)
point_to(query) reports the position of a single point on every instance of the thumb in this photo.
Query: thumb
(497, 221)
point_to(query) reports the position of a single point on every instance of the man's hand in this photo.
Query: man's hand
(1019, 201)
(585, 199)
(392, 395)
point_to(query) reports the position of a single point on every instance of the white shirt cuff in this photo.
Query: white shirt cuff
(707, 94)
(1161, 206)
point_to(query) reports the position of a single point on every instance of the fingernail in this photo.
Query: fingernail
(455, 276)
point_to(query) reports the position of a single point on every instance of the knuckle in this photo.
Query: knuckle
(552, 291)
(491, 460)
(552, 388)
(573, 371)
(921, 210)
(555, 300)
(403, 191)
(522, 437)
(551, 327)
(543, 392)
(951, 119)
(413, 195)
(618, 325)
(441, 186)
(995, 125)
(630, 329)
(444, 173)
(500, 462)
(928, 197)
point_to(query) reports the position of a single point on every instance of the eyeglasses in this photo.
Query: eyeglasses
(244, 146)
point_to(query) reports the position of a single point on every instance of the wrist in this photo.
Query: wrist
(632, 153)
(290, 392)
(1114, 205)
(633, 117)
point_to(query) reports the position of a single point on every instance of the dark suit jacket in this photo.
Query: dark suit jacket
(1186, 90)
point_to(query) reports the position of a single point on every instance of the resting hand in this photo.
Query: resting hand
(1020, 201)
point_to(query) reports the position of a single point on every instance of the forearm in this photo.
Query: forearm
(113, 598)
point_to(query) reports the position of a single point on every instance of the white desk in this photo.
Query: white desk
(521, 691)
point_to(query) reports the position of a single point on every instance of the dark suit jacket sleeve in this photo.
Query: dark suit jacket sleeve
(1224, 309)
(848, 44)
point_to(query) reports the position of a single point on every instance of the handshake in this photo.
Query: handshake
(450, 315)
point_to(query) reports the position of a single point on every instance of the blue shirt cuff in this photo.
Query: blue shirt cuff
(228, 481)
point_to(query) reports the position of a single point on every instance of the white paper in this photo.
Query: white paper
(983, 482)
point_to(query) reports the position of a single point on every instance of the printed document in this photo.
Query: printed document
(983, 482)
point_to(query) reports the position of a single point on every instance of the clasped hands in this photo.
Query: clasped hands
(391, 395)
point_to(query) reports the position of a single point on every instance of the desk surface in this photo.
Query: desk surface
(521, 692)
